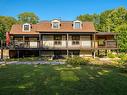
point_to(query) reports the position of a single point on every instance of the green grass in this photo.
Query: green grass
(62, 80)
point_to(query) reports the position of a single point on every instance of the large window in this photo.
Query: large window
(75, 39)
(57, 39)
(74, 52)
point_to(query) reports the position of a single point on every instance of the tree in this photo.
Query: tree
(6, 23)
(28, 17)
(114, 20)
(107, 20)
(122, 36)
(85, 17)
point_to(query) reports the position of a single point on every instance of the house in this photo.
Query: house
(58, 39)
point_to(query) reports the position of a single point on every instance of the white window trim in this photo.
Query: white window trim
(26, 30)
(57, 22)
(76, 22)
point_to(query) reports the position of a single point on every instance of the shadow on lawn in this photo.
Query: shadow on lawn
(62, 80)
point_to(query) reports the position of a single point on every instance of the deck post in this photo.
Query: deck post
(39, 40)
(67, 44)
(18, 54)
(94, 54)
(39, 53)
(23, 40)
(117, 45)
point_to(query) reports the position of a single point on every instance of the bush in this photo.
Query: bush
(123, 56)
(77, 61)
(111, 55)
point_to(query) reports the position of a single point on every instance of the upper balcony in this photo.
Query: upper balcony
(63, 44)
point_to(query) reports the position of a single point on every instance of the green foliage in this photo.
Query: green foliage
(123, 56)
(6, 23)
(108, 20)
(85, 17)
(111, 55)
(114, 20)
(28, 17)
(122, 36)
(77, 61)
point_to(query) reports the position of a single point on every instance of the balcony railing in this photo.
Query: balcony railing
(74, 44)
(109, 44)
(25, 44)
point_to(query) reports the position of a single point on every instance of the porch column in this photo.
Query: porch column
(39, 40)
(67, 44)
(39, 53)
(18, 54)
(117, 45)
(23, 40)
(94, 40)
(94, 54)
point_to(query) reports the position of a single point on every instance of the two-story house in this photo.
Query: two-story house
(58, 38)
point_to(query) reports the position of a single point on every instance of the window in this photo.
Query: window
(101, 42)
(74, 52)
(55, 24)
(57, 40)
(26, 27)
(77, 24)
(75, 39)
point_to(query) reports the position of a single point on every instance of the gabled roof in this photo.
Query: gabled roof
(45, 26)
(17, 29)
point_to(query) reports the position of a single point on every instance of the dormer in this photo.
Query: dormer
(77, 24)
(55, 24)
(26, 27)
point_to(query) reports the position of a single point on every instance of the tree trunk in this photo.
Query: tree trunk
(1, 49)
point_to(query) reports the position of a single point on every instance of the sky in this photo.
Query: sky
(61, 9)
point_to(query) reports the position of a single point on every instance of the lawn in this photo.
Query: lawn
(62, 80)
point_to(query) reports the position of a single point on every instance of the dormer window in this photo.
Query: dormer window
(26, 27)
(77, 24)
(55, 24)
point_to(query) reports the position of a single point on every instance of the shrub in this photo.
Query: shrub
(123, 56)
(77, 61)
(111, 55)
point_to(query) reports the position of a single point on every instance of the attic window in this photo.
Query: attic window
(77, 24)
(55, 24)
(26, 27)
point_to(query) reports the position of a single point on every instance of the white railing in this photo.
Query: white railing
(61, 44)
